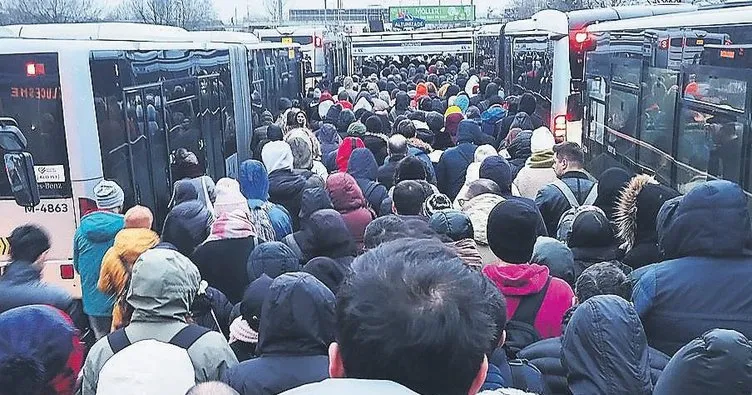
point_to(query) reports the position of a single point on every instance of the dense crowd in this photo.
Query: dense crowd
(412, 231)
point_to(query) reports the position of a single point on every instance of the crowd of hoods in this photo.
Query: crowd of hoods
(408, 231)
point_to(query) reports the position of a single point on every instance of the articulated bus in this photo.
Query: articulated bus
(311, 40)
(544, 56)
(114, 101)
(670, 96)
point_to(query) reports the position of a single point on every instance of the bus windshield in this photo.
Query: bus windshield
(30, 94)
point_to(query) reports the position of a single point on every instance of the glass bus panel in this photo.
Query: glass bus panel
(659, 94)
(708, 86)
(30, 93)
(622, 121)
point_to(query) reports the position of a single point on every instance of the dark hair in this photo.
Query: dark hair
(481, 186)
(391, 227)
(410, 168)
(343, 96)
(497, 308)
(408, 197)
(407, 128)
(23, 376)
(413, 313)
(570, 151)
(605, 278)
(28, 242)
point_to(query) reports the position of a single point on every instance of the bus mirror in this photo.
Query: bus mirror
(20, 169)
(11, 138)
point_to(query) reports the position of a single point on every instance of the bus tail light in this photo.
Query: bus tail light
(581, 41)
(86, 206)
(560, 128)
(67, 272)
(318, 42)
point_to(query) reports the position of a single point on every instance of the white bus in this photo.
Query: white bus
(544, 56)
(311, 40)
(114, 101)
(678, 108)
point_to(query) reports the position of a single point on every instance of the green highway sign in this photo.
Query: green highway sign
(434, 14)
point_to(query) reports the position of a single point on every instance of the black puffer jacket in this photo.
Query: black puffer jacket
(212, 310)
(187, 226)
(718, 362)
(326, 234)
(546, 356)
(604, 349)
(297, 326)
(519, 151)
(286, 189)
(592, 240)
(552, 203)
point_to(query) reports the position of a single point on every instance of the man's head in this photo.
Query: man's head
(398, 146)
(605, 278)
(568, 156)
(211, 388)
(408, 198)
(407, 129)
(29, 243)
(413, 313)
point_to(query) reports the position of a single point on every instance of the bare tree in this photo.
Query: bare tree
(188, 14)
(49, 11)
(275, 9)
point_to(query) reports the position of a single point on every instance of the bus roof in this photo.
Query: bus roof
(114, 31)
(289, 31)
(557, 22)
(225, 37)
(710, 17)
(493, 29)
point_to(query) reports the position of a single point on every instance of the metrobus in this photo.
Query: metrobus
(544, 56)
(487, 49)
(114, 101)
(311, 40)
(679, 107)
(409, 43)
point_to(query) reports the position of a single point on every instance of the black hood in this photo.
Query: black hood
(314, 199)
(610, 185)
(711, 220)
(326, 235)
(401, 101)
(186, 226)
(491, 90)
(297, 317)
(527, 104)
(591, 228)
(718, 362)
(519, 148)
(273, 259)
(604, 349)
(329, 271)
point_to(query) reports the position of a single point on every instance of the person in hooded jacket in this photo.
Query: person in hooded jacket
(93, 238)
(557, 257)
(635, 219)
(222, 258)
(363, 167)
(528, 105)
(491, 120)
(457, 227)
(538, 170)
(244, 328)
(401, 105)
(161, 292)
(604, 278)
(297, 326)
(473, 170)
(187, 225)
(348, 200)
(330, 272)
(273, 133)
(118, 261)
(519, 149)
(285, 187)
(706, 276)
(372, 137)
(348, 145)
(314, 199)
(330, 140)
(324, 234)
(592, 240)
(604, 349)
(452, 167)
(254, 185)
(498, 170)
(303, 164)
(273, 259)
(451, 126)
(718, 362)
(512, 231)
(610, 185)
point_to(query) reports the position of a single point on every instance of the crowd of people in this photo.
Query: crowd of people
(413, 231)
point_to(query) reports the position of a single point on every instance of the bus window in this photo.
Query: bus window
(659, 93)
(719, 91)
(30, 94)
(532, 65)
(622, 121)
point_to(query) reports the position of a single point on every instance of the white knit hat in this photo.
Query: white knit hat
(542, 140)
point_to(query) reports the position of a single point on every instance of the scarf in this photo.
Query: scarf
(467, 250)
(231, 225)
(240, 331)
(541, 160)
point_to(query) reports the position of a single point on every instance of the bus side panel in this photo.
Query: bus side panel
(242, 102)
(561, 79)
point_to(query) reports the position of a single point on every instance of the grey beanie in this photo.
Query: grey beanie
(108, 195)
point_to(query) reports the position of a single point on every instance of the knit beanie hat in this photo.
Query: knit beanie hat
(229, 197)
(435, 203)
(435, 121)
(511, 230)
(373, 124)
(542, 140)
(266, 117)
(452, 110)
(108, 195)
(138, 217)
(452, 223)
(356, 129)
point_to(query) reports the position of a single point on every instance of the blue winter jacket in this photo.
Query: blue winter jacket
(707, 283)
(254, 184)
(92, 240)
(452, 167)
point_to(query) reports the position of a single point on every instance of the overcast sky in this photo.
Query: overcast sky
(226, 8)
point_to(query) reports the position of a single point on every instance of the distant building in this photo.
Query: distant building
(344, 15)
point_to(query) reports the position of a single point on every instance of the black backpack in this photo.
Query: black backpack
(520, 329)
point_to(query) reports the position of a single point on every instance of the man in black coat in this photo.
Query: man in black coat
(551, 200)
(397, 152)
(21, 285)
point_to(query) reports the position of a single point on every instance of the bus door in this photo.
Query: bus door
(148, 149)
(210, 121)
(181, 116)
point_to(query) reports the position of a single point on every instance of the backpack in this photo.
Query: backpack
(489, 128)
(565, 222)
(262, 222)
(525, 376)
(149, 366)
(520, 329)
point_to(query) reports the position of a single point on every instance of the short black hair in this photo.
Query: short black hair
(570, 151)
(413, 313)
(408, 197)
(497, 306)
(343, 96)
(407, 129)
(28, 242)
(605, 278)
(391, 227)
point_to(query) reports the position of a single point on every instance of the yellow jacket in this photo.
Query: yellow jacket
(130, 243)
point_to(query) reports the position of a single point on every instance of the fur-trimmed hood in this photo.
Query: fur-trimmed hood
(637, 209)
